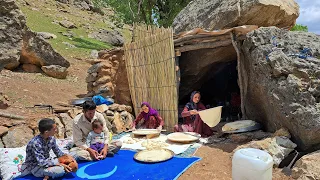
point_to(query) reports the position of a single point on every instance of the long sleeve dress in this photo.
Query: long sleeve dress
(193, 123)
(152, 123)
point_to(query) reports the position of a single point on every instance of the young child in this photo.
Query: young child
(96, 138)
(38, 161)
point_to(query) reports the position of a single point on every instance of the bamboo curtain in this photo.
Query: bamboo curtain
(150, 63)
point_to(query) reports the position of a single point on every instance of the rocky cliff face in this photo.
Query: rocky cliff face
(281, 71)
(197, 65)
(220, 14)
(12, 23)
(21, 46)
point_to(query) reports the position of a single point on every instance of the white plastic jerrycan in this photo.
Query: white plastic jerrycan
(251, 164)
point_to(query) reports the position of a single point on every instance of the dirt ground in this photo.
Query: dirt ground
(27, 89)
(216, 164)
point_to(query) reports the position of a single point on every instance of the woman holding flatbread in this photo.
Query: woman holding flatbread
(192, 121)
(149, 118)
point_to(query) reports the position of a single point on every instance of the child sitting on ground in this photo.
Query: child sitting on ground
(38, 161)
(96, 138)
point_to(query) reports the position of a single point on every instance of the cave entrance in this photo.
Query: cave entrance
(218, 85)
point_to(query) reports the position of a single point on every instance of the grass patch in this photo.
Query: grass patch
(39, 22)
(90, 44)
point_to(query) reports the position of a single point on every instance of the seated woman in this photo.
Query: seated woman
(148, 118)
(192, 121)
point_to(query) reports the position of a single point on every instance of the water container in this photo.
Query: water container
(251, 164)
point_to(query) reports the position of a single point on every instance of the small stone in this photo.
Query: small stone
(46, 35)
(67, 24)
(129, 109)
(124, 114)
(121, 108)
(3, 130)
(94, 54)
(110, 113)
(282, 132)
(114, 107)
(69, 45)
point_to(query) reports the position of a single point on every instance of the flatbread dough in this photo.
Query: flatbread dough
(211, 116)
(152, 144)
(238, 125)
(154, 155)
(130, 140)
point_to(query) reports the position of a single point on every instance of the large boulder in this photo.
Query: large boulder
(280, 89)
(17, 136)
(308, 167)
(278, 147)
(37, 51)
(114, 37)
(20, 45)
(12, 23)
(220, 14)
(55, 71)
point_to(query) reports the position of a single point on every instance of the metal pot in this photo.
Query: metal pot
(79, 102)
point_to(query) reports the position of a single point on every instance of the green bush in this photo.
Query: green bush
(299, 27)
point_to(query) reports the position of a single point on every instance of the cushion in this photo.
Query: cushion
(11, 159)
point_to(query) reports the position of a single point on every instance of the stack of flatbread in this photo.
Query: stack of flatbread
(154, 155)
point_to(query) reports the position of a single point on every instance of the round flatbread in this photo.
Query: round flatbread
(238, 125)
(183, 136)
(154, 155)
(211, 116)
(145, 131)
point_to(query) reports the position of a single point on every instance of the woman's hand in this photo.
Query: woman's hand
(133, 128)
(159, 128)
(194, 112)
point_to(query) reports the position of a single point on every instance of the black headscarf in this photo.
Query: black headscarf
(191, 105)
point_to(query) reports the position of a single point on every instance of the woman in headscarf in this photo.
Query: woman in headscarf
(148, 118)
(192, 121)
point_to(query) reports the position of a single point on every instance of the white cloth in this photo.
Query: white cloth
(175, 147)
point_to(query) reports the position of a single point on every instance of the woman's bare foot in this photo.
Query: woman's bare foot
(46, 178)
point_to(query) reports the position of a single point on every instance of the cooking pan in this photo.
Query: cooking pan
(79, 102)
(257, 126)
